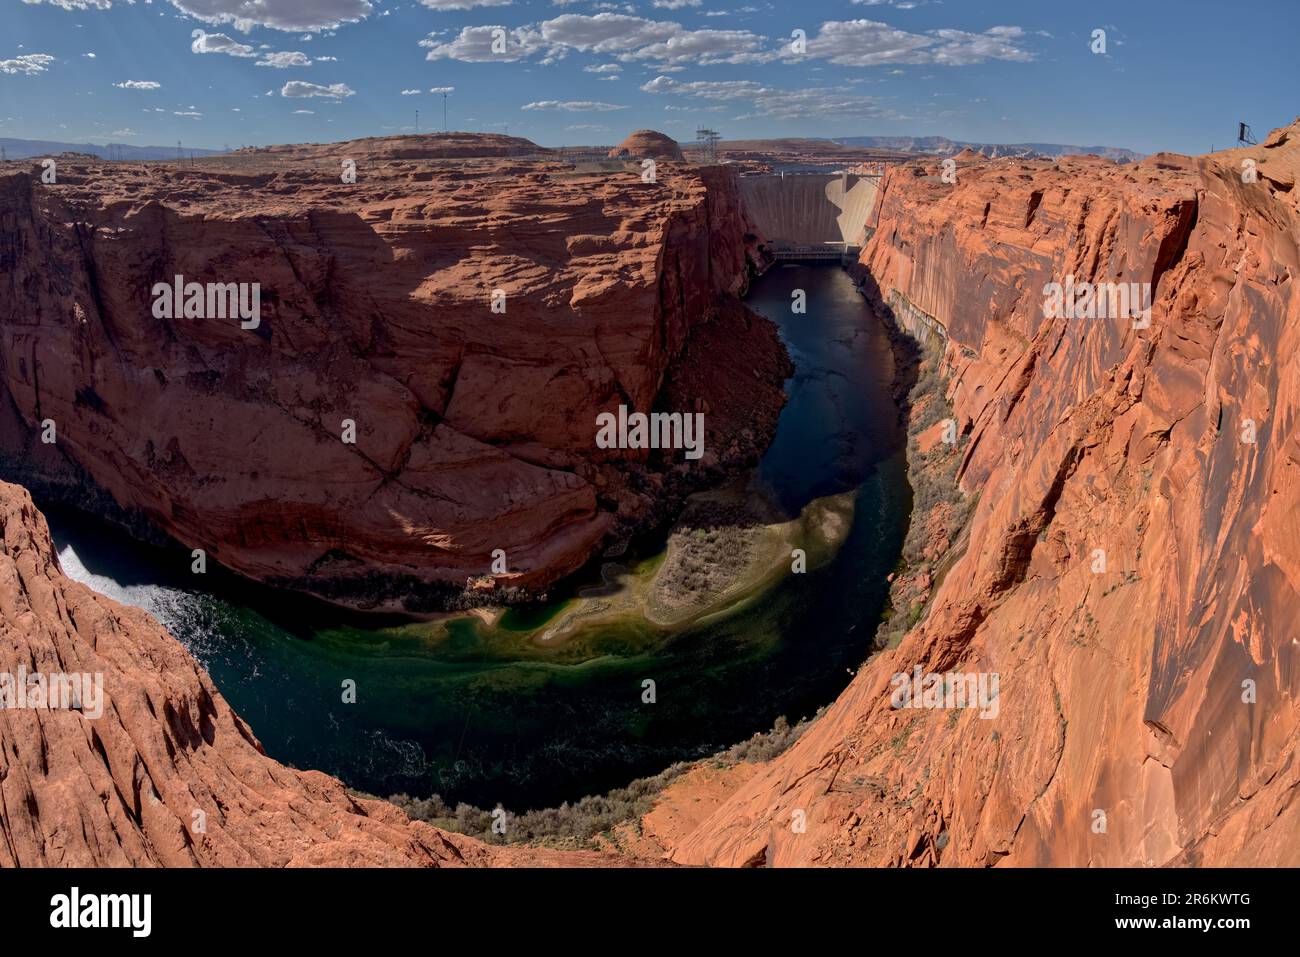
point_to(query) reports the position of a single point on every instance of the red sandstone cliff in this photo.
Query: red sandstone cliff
(1124, 693)
(474, 428)
(167, 774)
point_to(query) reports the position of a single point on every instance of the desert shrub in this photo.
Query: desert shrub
(933, 478)
(580, 823)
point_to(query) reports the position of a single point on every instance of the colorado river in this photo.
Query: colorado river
(485, 715)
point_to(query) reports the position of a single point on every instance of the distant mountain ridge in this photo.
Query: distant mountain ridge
(942, 146)
(16, 149)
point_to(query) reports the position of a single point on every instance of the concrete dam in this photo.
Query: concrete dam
(811, 216)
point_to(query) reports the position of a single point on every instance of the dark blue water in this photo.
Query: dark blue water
(485, 715)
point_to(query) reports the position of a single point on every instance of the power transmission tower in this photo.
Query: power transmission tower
(706, 142)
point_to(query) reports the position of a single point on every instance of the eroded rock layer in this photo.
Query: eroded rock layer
(474, 424)
(1131, 568)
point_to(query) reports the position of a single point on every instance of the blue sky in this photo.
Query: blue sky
(213, 73)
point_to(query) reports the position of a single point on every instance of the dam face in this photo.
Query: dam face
(811, 216)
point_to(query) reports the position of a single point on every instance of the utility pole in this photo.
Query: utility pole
(417, 122)
(444, 112)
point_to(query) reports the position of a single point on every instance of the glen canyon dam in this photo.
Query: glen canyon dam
(640, 440)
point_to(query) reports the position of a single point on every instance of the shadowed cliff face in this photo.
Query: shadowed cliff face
(1147, 709)
(474, 428)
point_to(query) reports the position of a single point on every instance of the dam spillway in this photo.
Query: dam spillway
(811, 216)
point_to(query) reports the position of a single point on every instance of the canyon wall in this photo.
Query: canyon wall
(161, 772)
(1131, 567)
(474, 427)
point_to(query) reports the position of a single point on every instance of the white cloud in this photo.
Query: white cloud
(474, 45)
(308, 112)
(76, 4)
(442, 89)
(710, 89)
(410, 93)
(282, 60)
(603, 68)
(89, 56)
(311, 15)
(632, 38)
(606, 32)
(676, 4)
(138, 85)
(463, 4)
(870, 43)
(299, 88)
(996, 43)
(28, 63)
(187, 113)
(205, 42)
(707, 47)
(574, 106)
(667, 45)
